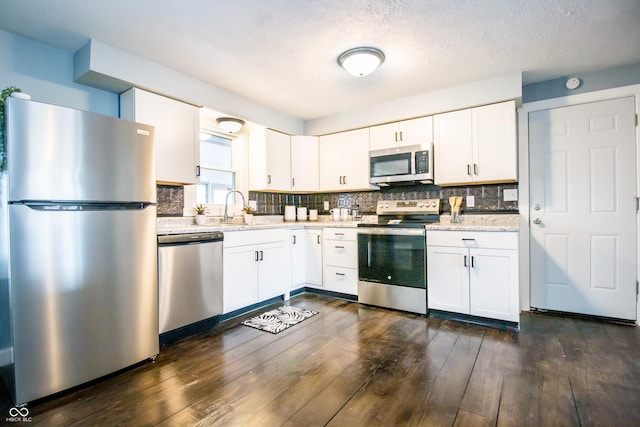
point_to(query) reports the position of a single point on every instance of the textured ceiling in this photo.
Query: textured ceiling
(282, 53)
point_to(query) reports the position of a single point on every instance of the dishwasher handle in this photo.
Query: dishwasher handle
(189, 239)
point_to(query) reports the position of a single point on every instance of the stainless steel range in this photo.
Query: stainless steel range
(392, 255)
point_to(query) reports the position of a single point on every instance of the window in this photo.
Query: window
(217, 175)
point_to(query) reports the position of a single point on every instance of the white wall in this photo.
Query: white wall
(100, 65)
(46, 73)
(497, 89)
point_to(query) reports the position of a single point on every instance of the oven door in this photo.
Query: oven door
(394, 256)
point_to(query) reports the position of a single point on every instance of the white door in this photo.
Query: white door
(583, 209)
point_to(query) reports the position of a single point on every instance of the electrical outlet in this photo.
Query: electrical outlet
(510, 195)
(471, 201)
(326, 205)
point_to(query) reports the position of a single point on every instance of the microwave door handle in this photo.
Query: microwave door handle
(413, 163)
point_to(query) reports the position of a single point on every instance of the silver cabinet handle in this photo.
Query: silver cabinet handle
(396, 135)
(268, 179)
(318, 239)
(261, 256)
(340, 274)
(472, 262)
(257, 256)
(339, 247)
(475, 168)
(400, 135)
(468, 169)
(344, 181)
(465, 261)
(293, 182)
(294, 239)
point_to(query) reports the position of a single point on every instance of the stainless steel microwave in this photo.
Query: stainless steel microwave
(402, 165)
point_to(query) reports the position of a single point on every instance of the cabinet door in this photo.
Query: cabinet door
(177, 130)
(448, 279)
(494, 143)
(452, 148)
(239, 274)
(356, 154)
(416, 131)
(278, 161)
(384, 136)
(271, 270)
(305, 169)
(298, 258)
(313, 270)
(494, 284)
(332, 162)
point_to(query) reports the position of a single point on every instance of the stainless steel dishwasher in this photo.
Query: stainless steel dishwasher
(189, 279)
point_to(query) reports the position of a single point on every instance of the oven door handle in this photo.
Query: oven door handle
(392, 231)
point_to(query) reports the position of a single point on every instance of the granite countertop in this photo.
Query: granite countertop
(185, 225)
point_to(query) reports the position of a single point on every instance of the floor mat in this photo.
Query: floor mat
(276, 321)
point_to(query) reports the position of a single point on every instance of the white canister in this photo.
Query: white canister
(289, 213)
(344, 214)
(302, 214)
(335, 214)
(313, 214)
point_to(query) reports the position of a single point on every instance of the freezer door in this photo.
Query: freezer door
(84, 292)
(57, 153)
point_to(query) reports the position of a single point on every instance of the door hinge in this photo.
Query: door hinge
(637, 203)
(637, 288)
(636, 119)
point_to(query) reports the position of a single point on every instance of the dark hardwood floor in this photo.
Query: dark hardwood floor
(353, 365)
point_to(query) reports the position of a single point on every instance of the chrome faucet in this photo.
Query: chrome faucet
(226, 202)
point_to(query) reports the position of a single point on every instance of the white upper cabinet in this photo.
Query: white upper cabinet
(305, 172)
(344, 161)
(406, 132)
(476, 145)
(177, 129)
(269, 161)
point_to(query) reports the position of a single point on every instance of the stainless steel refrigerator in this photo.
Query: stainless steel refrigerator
(78, 256)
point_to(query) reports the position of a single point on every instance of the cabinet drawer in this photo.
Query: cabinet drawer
(344, 280)
(350, 234)
(255, 237)
(473, 239)
(341, 254)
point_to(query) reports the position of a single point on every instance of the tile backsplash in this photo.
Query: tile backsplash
(488, 198)
(170, 199)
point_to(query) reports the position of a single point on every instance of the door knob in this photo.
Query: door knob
(537, 220)
(536, 207)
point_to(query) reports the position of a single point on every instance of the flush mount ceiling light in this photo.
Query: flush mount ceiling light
(230, 124)
(361, 61)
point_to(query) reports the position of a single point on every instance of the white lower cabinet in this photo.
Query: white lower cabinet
(306, 258)
(473, 273)
(313, 258)
(256, 266)
(340, 259)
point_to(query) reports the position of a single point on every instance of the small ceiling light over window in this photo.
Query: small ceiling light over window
(230, 124)
(361, 61)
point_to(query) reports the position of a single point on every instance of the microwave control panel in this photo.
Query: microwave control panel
(422, 162)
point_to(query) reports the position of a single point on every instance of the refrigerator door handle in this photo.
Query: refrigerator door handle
(53, 206)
